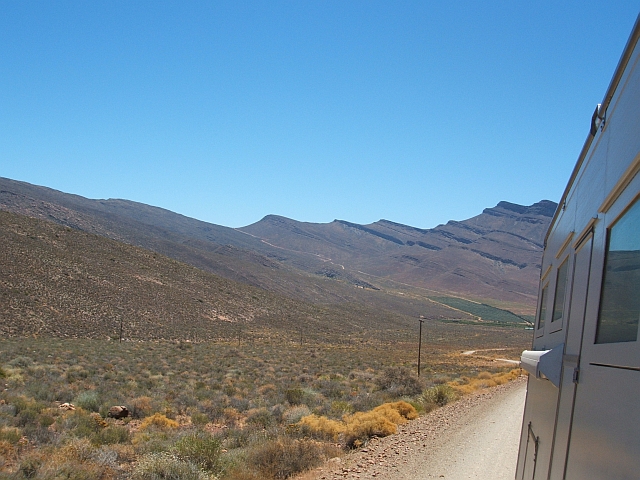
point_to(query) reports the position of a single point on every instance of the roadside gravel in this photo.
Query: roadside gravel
(475, 437)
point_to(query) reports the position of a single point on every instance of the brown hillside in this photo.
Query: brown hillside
(494, 255)
(63, 282)
(492, 258)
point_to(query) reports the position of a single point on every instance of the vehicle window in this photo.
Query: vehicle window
(620, 299)
(542, 311)
(561, 285)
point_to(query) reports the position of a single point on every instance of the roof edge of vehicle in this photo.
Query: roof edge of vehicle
(598, 116)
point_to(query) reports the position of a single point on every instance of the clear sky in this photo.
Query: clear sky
(413, 111)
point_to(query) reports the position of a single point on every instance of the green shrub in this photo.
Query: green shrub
(200, 448)
(45, 420)
(83, 424)
(330, 388)
(438, 395)
(21, 403)
(29, 465)
(27, 416)
(111, 435)
(11, 435)
(88, 400)
(199, 419)
(400, 382)
(261, 418)
(157, 466)
(294, 414)
(21, 362)
(284, 457)
(294, 395)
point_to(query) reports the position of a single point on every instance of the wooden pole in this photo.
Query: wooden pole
(420, 343)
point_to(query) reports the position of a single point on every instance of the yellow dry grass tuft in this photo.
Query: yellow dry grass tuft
(322, 426)
(363, 425)
(158, 420)
(356, 428)
(484, 380)
(404, 409)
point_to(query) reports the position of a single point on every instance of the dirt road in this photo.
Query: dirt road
(474, 438)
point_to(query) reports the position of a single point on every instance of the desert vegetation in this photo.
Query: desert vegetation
(221, 379)
(266, 408)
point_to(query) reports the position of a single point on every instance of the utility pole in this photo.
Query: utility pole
(120, 314)
(421, 320)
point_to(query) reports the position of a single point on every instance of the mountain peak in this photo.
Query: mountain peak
(546, 208)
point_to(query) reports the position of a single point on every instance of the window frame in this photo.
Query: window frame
(543, 301)
(556, 324)
(608, 231)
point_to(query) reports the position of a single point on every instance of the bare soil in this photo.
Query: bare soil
(475, 437)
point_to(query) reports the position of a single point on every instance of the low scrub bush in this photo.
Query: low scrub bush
(399, 382)
(88, 400)
(404, 409)
(141, 407)
(364, 425)
(285, 457)
(156, 466)
(21, 362)
(294, 414)
(11, 435)
(357, 428)
(199, 419)
(81, 423)
(30, 464)
(340, 407)
(111, 435)
(294, 395)
(200, 448)
(260, 417)
(322, 427)
(158, 420)
(437, 396)
(467, 385)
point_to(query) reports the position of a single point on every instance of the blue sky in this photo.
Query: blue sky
(416, 112)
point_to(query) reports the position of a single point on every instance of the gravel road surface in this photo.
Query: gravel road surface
(473, 438)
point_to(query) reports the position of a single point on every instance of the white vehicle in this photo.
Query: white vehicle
(582, 412)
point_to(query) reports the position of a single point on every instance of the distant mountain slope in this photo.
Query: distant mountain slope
(58, 281)
(495, 254)
(270, 268)
(221, 250)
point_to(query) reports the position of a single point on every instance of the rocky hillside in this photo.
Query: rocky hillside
(57, 281)
(494, 256)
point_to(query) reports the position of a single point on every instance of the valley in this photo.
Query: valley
(222, 340)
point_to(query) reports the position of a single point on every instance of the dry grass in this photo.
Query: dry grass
(465, 385)
(188, 398)
(159, 421)
(355, 429)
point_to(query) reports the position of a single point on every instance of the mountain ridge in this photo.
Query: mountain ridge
(494, 255)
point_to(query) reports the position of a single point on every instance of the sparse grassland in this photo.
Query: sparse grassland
(225, 409)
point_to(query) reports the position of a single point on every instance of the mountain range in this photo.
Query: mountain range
(384, 267)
